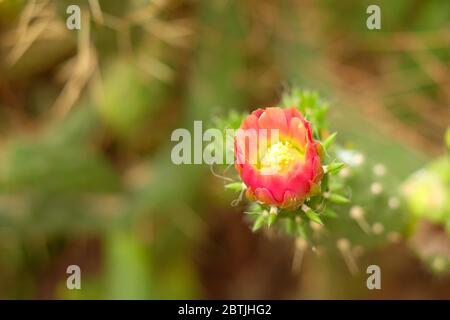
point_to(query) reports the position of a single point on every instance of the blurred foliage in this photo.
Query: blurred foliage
(427, 193)
(86, 117)
(123, 85)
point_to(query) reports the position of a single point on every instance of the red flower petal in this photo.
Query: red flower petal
(284, 189)
(274, 118)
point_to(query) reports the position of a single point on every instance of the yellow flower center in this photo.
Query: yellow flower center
(279, 158)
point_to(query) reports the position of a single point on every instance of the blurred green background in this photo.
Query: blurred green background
(86, 118)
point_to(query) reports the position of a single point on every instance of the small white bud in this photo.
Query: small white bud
(394, 237)
(358, 159)
(377, 228)
(379, 169)
(273, 210)
(438, 264)
(343, 244)
(345, 172)
(305, 208)
(356, 212)
(376, 188)
(393, 203)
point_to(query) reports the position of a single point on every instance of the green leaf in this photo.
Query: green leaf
(259, 223)
(313, 216)
(302, 229)
(291, 226)
(333, 167)
(272, 219)
(337, 198)
(329, 140)
(235, 186)
(329, 213)
(255, 206)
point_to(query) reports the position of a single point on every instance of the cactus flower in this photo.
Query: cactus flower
(286, 170)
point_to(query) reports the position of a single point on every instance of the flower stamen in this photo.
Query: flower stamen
(279, 157)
